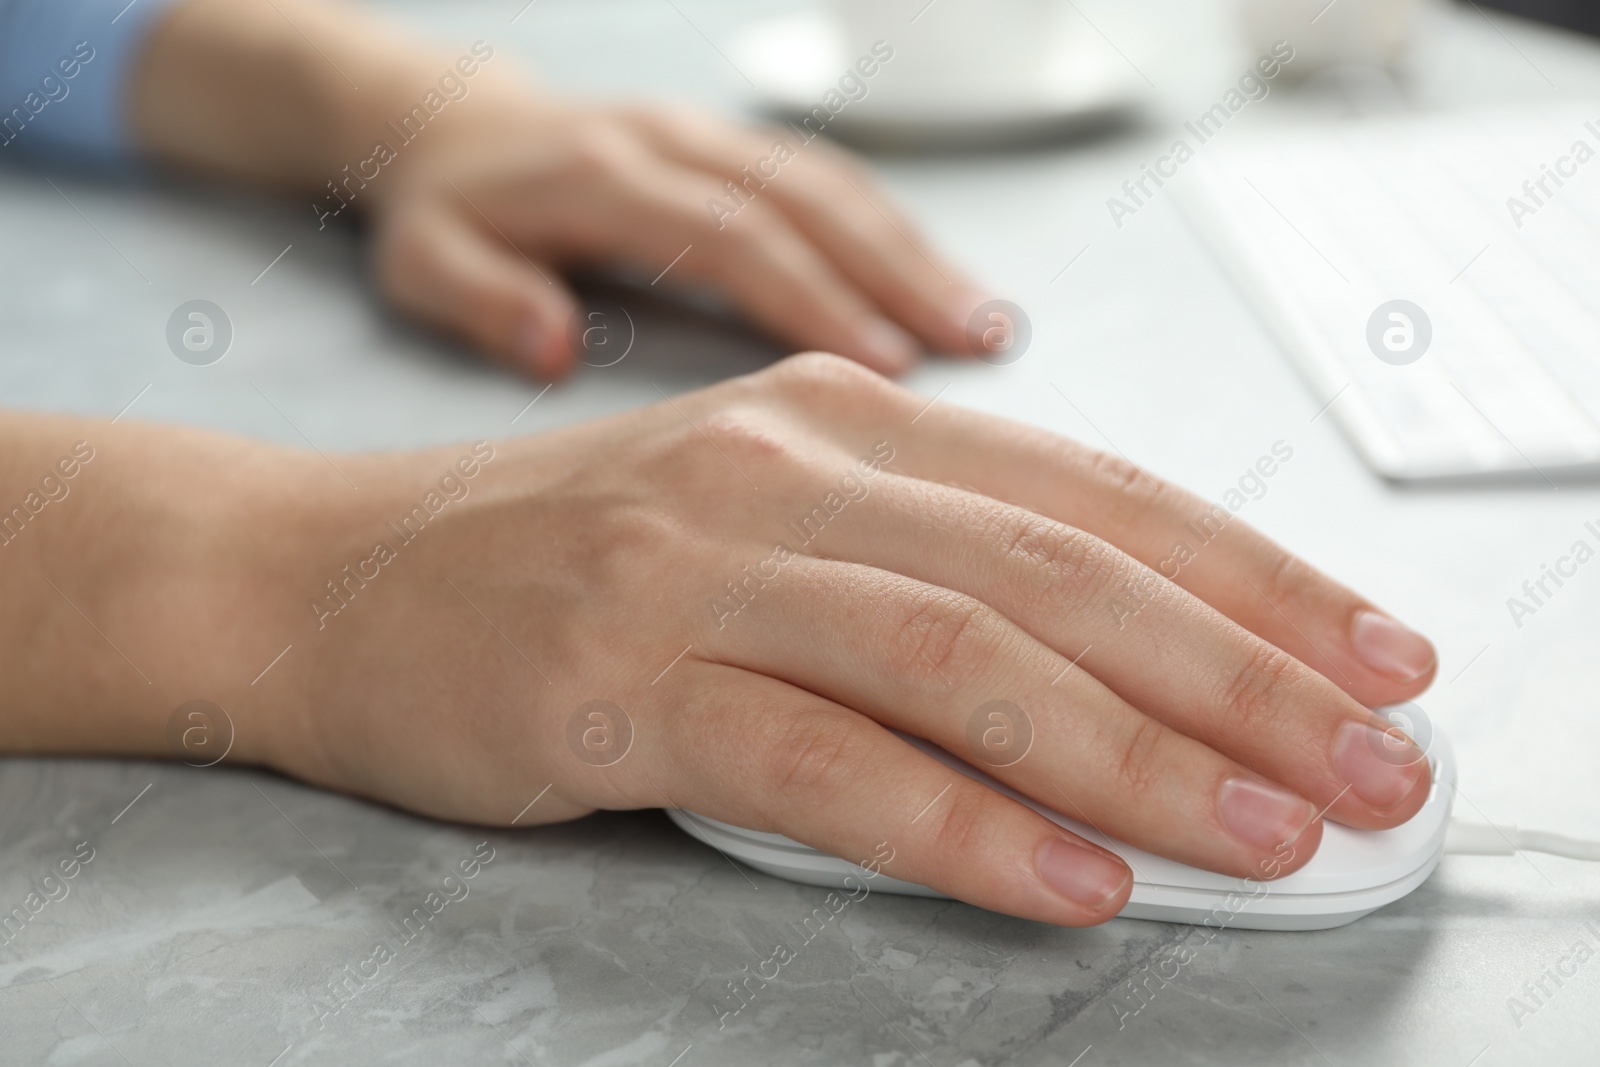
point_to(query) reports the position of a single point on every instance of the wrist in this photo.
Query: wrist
(288, 93)
(352, 593)
(432, 107)
(217, 542)
(147, 583)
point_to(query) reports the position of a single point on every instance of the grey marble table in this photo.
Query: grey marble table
(229, 916)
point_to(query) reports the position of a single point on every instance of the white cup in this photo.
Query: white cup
(950, 46)
(1372, 33)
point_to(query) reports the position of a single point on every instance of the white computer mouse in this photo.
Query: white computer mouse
(1354, 871)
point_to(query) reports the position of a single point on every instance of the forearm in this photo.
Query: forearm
(287, 93)
(133, 580)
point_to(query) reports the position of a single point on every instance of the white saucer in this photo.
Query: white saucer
(794, 59)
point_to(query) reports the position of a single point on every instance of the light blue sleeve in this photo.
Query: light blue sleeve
(65, 69)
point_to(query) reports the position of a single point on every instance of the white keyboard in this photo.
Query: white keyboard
(1324, 228)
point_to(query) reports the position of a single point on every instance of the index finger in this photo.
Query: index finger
(1201, 547)
(838, 205)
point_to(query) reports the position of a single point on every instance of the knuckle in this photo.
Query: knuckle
(757, 239)
(965, 827)
(1071, 563)
(833, 159)
(822, 378)
(1286, 578)
(813, 756)
(600, 152)
(944, 636)
(1133, 491)
(1143, 763)
(744, 438)
(667, 118)
(1116, 473)
(685, 124)
(1251, 698)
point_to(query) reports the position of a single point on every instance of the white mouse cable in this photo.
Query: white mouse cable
(1504, 839)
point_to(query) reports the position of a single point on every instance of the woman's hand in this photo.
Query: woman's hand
(483, 189)
(760, 581)
(483, 215)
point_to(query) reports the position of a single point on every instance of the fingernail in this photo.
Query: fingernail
(1391, 649)
(888, 346)
(1082, 875)
(1262, 814)
(1381, 767)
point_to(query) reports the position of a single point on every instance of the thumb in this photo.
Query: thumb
(441, 271)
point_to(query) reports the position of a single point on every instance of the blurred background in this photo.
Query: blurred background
(1144, 340)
